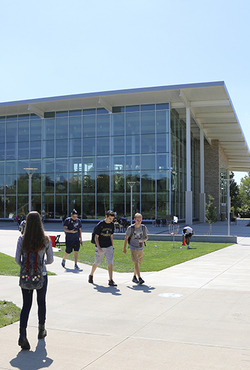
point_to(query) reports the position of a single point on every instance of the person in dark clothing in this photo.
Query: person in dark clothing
(73, 230)
(104, 246)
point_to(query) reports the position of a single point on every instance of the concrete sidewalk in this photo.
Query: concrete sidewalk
(191, 316)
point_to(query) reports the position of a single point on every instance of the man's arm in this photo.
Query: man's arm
(125, 244)
(97, 243)
(80, 235)
(66, 230)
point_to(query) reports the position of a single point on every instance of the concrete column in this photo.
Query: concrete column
(189, 199)
(202, 195)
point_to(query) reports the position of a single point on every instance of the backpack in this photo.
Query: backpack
(31, 272)
(132, 230)
(94, 231)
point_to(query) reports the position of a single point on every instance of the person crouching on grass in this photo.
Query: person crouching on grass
(187, 233)
(136, 236)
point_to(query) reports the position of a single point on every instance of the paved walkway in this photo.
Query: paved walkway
(191, 316)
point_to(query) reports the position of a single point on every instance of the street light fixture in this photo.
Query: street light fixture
(131, 184)
(30, 172)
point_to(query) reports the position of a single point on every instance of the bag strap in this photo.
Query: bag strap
(132, 230)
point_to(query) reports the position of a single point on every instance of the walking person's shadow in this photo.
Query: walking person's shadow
(29, 360)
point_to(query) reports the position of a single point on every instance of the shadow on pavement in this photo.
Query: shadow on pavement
(29, 360)
(109, 289)
(144, 288)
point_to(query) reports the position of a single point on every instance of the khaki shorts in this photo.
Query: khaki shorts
(137, 256)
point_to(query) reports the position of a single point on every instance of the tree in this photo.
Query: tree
(244, 195)
(210, 212)
(234, 194)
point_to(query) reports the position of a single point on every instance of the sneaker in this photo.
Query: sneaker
(90, 279)
(141, 281)
(112, 283)
(188, 247)
(63, 263)
(135, 280)
(77, 267)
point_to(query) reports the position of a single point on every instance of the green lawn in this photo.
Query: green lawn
(158, 255)
(9, 313)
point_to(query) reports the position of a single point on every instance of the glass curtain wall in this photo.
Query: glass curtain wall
(178, 168)
(85, 159)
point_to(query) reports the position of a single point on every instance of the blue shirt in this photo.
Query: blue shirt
(73, 225)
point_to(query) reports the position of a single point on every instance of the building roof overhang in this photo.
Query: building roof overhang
(210, 106)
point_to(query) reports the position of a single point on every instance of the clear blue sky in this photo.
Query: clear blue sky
(52, 47)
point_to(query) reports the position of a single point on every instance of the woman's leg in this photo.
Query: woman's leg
(27, 303)
(41, 302)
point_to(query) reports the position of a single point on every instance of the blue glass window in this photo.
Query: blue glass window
(36, 129)
(62, 114)
(118, 163)
(148, 122)
(23, 150)
(103, 146)
(48, 165)
(49, 129)
(133, 144)
(147, 162)
(117, 145)
(35, 149)
(74, 147)
(145, 107)
(2, 132)
(87, 112)
(133, 108)
(132, 123)
(117, 124)
(62, 148)
(11, 150)
(23, 131)
(88, 146)
(75, 127)
(11, 131)
(89, 126)
(48, 148)
(133, 162)
(102, 163)
(162, 143)
(61, 128)
(148, 143)
(77, 112)
(162, 121)
(103, 125)
(162, 106)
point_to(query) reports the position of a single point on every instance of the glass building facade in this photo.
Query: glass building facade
(85, 159)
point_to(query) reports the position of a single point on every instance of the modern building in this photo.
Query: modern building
(176, 143)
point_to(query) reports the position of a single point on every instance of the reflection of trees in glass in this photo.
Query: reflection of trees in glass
(75, 184)
(23, 183)
(88, 184)
(118, 183)
(103, 183)
(147, 184)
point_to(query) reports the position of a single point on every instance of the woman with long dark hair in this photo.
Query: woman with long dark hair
(34, 240)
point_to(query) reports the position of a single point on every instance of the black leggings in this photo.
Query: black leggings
(27, 303)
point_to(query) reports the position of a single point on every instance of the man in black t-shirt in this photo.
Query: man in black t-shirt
(104, 246)
(73, 231)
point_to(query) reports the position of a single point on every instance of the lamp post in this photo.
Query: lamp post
(30, 172)
(131, 184)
